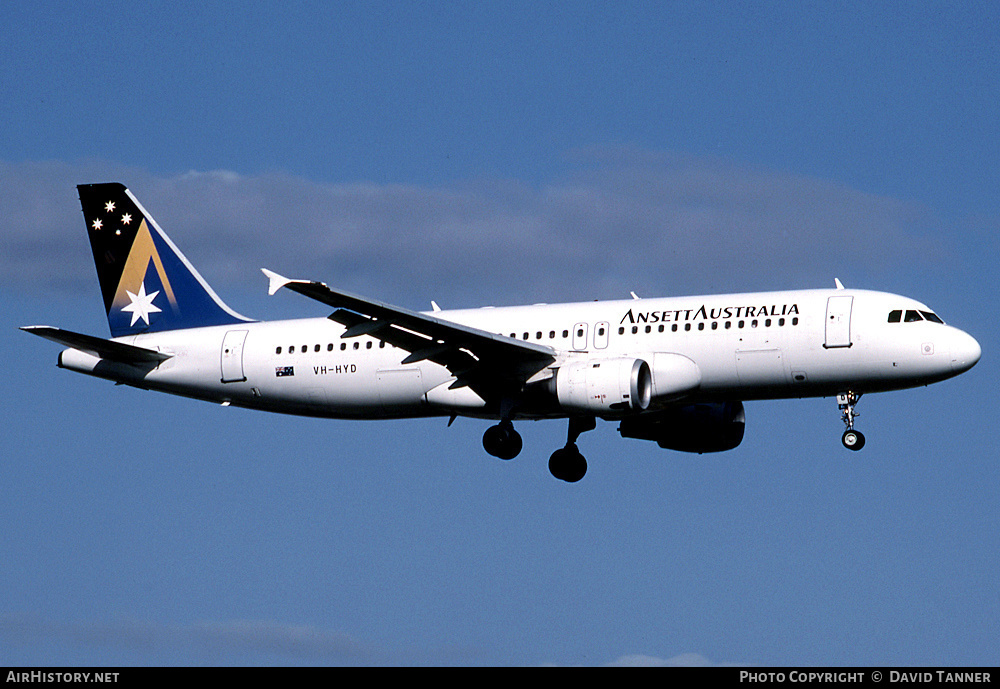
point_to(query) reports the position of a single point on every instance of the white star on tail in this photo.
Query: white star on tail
(142, 304)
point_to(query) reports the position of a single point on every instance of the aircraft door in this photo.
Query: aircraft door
(601, 331)
(838, 322)
(232, 356)
(580, 336)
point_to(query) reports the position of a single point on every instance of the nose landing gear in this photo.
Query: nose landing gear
(852, 439)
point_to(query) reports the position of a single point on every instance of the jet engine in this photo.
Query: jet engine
(700, 428)
(604, 385)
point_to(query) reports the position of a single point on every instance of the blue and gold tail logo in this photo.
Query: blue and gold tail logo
(147, 284)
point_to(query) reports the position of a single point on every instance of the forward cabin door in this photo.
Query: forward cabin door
(232, 356)
(838, 322)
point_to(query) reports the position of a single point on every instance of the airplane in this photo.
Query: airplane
(673, 370)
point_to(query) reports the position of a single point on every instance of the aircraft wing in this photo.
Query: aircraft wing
(101, 348)
(489, 363)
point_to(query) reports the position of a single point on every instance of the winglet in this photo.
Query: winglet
(839, 284)
(276, 281)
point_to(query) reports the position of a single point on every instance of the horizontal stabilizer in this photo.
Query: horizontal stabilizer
(104, 349)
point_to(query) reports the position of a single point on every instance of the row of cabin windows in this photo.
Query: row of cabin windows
(768, 322)
(538, 335)
(317, 348)
(912, 316)
(674, 327)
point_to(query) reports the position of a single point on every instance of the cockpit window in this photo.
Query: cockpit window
(912, 316)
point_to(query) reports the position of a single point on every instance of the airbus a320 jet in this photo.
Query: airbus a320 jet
(675, 370)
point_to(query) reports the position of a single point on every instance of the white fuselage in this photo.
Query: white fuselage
(736, 347)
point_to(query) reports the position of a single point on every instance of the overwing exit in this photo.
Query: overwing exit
(672, 370)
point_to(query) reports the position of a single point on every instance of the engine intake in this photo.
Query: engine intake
(700, 428)
(604, 385)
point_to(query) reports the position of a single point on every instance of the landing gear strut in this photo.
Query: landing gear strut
(852, 439)
(502, 440)
(566, 463)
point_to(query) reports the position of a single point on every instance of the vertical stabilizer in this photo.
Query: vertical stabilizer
(147, 283)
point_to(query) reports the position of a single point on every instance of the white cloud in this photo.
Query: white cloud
(210, 639)
(657, 223)
(682, 660)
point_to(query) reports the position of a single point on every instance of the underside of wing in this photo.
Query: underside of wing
(492, 365)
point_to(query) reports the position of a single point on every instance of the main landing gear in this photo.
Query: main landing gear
(502, 440)
(852, 439)
(566, 463)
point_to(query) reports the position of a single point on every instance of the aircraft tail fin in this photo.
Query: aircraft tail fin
(147, 283)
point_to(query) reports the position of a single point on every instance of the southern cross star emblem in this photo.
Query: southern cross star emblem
(141, 305)
(97, 224)
(109, 206)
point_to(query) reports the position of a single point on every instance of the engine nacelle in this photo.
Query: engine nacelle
(604, 385)
(674, 376)
(700, 428)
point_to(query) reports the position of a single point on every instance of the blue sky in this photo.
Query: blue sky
(478, 153)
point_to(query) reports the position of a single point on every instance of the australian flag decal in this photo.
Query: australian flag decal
(282, 371)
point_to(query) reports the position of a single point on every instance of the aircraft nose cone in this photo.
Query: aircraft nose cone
(965, 352)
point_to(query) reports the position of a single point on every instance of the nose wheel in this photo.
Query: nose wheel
(852, 439)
